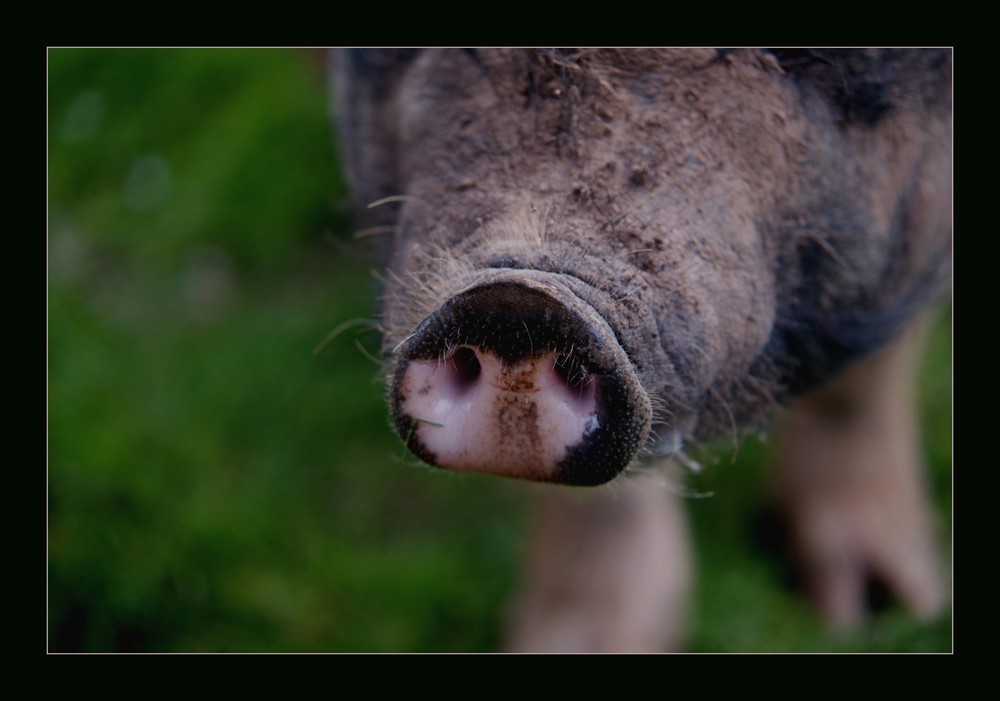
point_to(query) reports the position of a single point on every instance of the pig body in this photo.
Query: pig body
(596, 255)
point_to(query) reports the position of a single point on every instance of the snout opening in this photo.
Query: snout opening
(580, 385)
(465, 367)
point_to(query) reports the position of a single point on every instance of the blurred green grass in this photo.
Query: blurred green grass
(213, 484)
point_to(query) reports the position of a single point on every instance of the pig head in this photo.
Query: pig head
(597, 254)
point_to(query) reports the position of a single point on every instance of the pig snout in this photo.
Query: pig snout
(516, 377)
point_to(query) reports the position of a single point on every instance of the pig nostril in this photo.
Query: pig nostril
(571, 372)
(467, 367)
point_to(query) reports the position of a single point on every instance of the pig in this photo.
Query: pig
(596, 257)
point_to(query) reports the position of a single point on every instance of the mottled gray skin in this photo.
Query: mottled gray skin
(746, 222)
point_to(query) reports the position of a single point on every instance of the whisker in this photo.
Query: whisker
(340, 328)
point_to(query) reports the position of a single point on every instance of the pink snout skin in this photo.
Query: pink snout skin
(474, 412)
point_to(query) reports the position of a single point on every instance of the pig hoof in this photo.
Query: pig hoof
(515, 378)
(851, 482)
(840, 566)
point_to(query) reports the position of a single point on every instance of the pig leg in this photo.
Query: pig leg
(609, 571)
(850, 484)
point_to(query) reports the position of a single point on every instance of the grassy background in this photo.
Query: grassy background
(214, 484)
